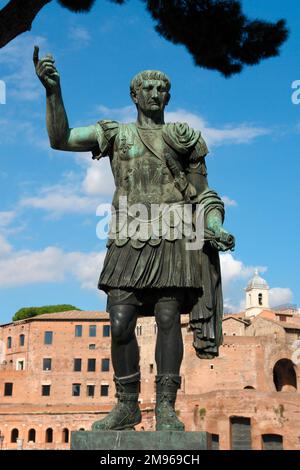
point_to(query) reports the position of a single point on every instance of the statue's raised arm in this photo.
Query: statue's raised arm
(61, 136)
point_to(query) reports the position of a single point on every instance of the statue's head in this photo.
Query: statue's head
(150, 90)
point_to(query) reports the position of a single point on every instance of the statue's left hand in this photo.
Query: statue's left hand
(223, 240)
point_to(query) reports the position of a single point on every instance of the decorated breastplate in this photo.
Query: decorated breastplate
(140, 169)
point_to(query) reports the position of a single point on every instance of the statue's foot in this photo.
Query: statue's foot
(166, 419)
(120, 418)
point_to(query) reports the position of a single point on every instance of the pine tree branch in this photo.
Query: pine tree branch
(17, 17)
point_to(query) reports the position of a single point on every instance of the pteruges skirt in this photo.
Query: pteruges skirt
(168, 264)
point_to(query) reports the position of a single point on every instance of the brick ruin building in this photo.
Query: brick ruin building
(56, 377)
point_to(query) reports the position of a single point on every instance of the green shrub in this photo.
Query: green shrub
(28, 312)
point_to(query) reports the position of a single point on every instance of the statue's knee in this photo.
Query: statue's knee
(166, 317)
(122, 324)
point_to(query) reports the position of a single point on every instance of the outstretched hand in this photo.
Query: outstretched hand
(220, 239)
(46, 70)
(223, 240)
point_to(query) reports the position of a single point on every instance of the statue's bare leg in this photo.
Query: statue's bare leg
(124, 347)
(125, 357)
(169, 344)
(168, 356)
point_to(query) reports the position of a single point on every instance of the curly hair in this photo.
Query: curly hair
(138, 79)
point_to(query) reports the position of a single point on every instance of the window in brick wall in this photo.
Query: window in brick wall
(240, 430)
(46, 389)
(78, 331)
(91, 365)
(20, 364)
(92, 346)
(282, 318)
(106, 331)
(104, 390)
(65, 435)
(90, 390)
(14, 435)
(49, 435)
(77, 365)
(139, 330)
(8, 389)
(76, 390)
(93, 330)
(9, 342)
(272, 442)
(31, 435)
(105, 365)
(22, 340)
(215, 442)
(48, 337)
(151, 368)
(47, 363)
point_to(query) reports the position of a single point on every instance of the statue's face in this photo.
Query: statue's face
(152, 96)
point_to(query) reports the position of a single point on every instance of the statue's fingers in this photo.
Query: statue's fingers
(46, 60)
(45, 71)
(35, 56)
(50, 57)
(46, 67)
(44, 74)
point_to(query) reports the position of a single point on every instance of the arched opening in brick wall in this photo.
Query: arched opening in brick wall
(272, 442)
(49, 435)
(249, 387)
(14, 435)
(284, 376)
(31, 435)
(65, 435)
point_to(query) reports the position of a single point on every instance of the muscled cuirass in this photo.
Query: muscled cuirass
(139, 167)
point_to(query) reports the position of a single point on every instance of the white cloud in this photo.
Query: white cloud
(60, 199)
(80, 36)
(99, 179)
(229, 134)
(20, 77)
(5, 247)
(27, 132)
(6, 217)
(280, 296)
(86, 267)
(125, 114)
(229, 202)
(52, 264)
(233, 269)
(235, 275)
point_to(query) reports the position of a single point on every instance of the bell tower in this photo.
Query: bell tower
(257, 295)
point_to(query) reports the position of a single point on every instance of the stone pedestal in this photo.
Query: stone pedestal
(140, 440)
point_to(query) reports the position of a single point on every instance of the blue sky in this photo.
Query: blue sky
(49, 251)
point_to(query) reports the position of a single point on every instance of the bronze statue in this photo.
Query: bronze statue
(153, 163)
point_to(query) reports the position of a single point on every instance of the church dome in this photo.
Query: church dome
(257, 282)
